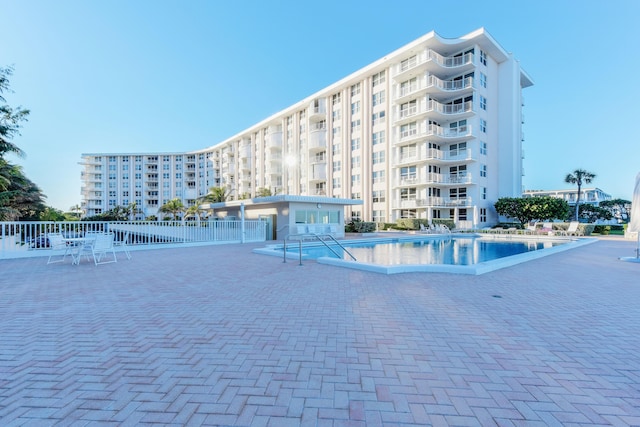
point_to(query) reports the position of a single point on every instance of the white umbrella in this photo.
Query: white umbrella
(634, 223)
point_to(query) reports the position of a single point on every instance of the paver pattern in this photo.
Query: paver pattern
(219, 336)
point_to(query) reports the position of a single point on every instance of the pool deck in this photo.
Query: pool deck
(218, 335)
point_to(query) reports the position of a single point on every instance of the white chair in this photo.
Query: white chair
(572, 230)
(58, 246)
(98, 248)
(122, 244)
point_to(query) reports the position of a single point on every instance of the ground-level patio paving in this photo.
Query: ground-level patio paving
(218, 335)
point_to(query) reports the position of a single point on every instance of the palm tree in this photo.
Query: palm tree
(216, 195)
(579, 177)
(173, 207)
(9, 118)
(193, 210)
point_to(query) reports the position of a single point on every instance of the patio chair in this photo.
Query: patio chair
(58, 246)
(98, 248)
(122, 244)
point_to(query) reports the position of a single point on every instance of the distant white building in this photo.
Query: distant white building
(591, 196)
(431, 130)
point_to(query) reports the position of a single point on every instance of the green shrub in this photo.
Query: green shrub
(408, 224)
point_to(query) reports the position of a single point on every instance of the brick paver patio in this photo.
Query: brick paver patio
(220, 336)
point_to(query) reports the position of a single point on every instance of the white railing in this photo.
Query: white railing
(30, 238)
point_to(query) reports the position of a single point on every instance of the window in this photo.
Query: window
(408, 130)
(378, 98)
(355, 215)
(335, 99)
(483, 57)
(337, 165)
(378, 196)
(355, 89)
(355, 107)
(336, 131)
(483, 171)
(336, 183)
(457, 193)
(356, 196)
(335, 148)
(355, 179)
(336, 115)
(378, 138)
(483, 80)
(408, 109)
(484, 193)
(408, 173)
(407, 194)
(483, 125)
(408, 63)
(378, 216)
(462, 214)
(483, 102)
(355, 162)
(483, 214)
(378, 117)
(178, 176)
(112, 175)
(355, 144)
(379, 78)
(456, 150)
(408, 152)
(483, 148)
(355, 125)
(377, 177)
(377, 157)
(409, 86)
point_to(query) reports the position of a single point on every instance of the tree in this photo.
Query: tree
(216, 195)
(20, 198)
(193, 210)
(620, 209)
(173, 207)
(592, 213)
(579, 177)
(10, 119)
(527, 209)
(264, 192)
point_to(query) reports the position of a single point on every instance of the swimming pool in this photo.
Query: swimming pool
(462, 254)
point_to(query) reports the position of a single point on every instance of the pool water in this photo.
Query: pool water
(458, 253)
(451, 251)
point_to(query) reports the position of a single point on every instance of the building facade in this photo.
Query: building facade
(588, 196)
(431, 130)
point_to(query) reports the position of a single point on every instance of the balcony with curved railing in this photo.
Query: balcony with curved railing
(437, 86)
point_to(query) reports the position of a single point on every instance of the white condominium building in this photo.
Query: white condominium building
(431, 130)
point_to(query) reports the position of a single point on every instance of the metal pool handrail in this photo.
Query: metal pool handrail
(319, 238)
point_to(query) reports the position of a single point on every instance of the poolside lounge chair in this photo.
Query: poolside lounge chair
(547, 228)
(531, 228)
(572, 230)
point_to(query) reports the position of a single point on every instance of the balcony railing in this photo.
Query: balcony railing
(450, 61)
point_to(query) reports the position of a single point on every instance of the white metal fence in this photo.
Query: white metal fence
(30, 238)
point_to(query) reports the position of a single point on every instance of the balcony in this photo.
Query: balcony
(440, 134)
(450, 111)
(448, 65)
(317, 110)
(436, 202)
(317, 137)
(436, 86)
(411, 67)
(406, 92)
(448, 179)
(442, 156)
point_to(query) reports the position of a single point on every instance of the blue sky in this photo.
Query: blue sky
(166, 76)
